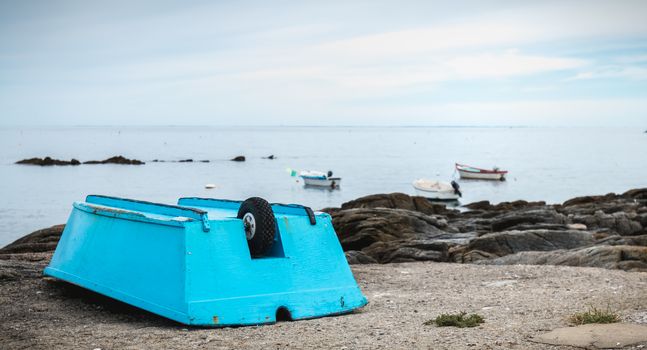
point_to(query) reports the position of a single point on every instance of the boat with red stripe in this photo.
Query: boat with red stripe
(470, 172)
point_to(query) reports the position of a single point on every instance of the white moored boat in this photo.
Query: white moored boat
(320, 179)
(469, 172)
(438, 190)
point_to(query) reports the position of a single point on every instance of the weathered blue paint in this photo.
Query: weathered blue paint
(191, 262)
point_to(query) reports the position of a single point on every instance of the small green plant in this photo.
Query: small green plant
(460, 320)
(595, 315)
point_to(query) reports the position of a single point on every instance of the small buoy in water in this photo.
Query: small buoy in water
(209, 186)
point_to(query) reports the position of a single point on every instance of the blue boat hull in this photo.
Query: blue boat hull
(191, 263)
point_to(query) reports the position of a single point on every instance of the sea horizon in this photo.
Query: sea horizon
(403, 126)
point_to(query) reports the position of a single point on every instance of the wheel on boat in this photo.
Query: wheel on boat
(260, 224)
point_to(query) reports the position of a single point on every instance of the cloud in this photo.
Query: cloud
(538, 23)
(424, 40)
(359, 74)
(549, 112)
(510, 63)
(612, 72)
(632, 59)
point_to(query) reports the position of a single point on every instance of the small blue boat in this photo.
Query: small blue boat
(208, 262)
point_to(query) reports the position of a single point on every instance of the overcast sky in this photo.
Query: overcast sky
(323, 63)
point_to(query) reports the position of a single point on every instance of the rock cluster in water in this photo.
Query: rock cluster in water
(47, 161)
(116, 160)
(189, 160)
(600, 231)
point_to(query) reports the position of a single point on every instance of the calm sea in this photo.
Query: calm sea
(551, 164)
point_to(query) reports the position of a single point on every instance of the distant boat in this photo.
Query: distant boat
(320, 179)
(469, 172)
(437, 190)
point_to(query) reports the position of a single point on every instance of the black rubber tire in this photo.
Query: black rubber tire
(265, 224)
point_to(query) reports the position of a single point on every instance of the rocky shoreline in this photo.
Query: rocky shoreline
(608, 231)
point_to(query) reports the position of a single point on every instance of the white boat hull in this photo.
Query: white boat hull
(480, 176)
(331, 182)
(442, 196)
(435, 190)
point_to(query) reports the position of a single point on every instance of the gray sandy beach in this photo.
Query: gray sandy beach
(518, 304)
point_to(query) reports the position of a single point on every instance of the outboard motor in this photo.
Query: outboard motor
(329, 173)
(456, 188)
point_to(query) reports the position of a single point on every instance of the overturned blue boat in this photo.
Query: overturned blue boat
(208, 262)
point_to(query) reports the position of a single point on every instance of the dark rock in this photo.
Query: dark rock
(629, 258)
(482, 205)
(44, 240)
(271, 156)
(188, 160)
(503, 206)
(397, 227)
(408, 251)
(116, 160)
(610, 206)
(637, 194)
(643, 220)
(624, 223)
(537, 226)
(624, 240)
(8, 274)
(359, 228)
(390, 235)
(238, 159)
(357, 257)
(400, 201)
(47, 161)
(589, 199)
(507, 222)
(122, 160)
(533, 216)
(511, 242)
(461, 256)
(19, 270)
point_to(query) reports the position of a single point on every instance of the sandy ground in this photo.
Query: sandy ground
(517, 302)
